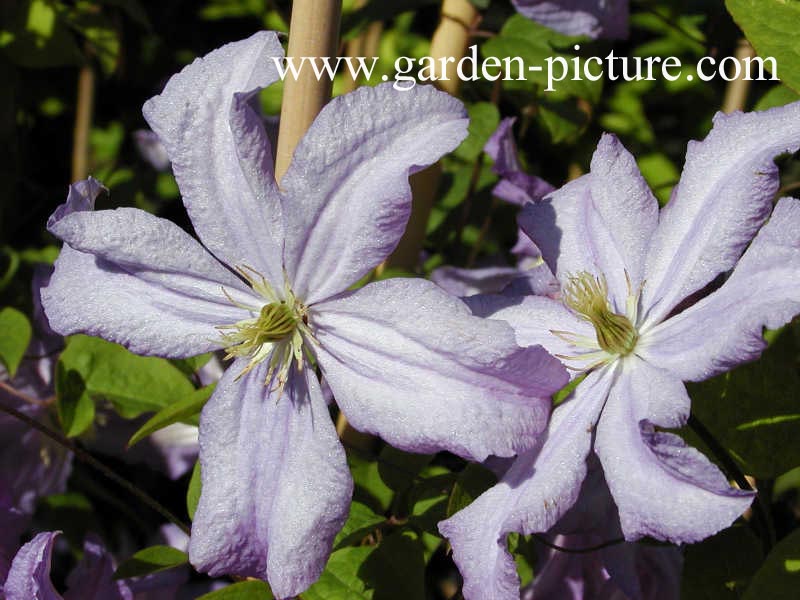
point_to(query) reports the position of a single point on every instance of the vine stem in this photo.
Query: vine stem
(734, 472)
(83, 122)
(90, 460)
(313, 32)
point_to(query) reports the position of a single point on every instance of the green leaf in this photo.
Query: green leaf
(190, 366)
(14, 339)
(74, 405)
(181, 410)
(360, 521)
(340, 580)
(398, 469)
(472, 482)
(780, 95)
(151, 560)
(779, 576)
(134, 384)
(396, 569)
(753, 411)
(193, 493)
(771, 26)
(244, 590)
(483, 121)
(720, 567)
(369, 487)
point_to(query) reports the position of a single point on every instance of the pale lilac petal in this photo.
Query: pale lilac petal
(178, 446)
(151, 149)
(29, 576)
(662, 487)
(138, 280)
(408, 362)
(93, 578)
(276, 488)
(539, 488)
(516, 186)
(724, 195)
(600, 223)
(468, 282)
(534, 319)
(595, 18)
(220, 153)
(347, 197)
(726, 328)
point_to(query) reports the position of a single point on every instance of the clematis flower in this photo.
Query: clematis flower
(270, 284)
(92, 578)
(618, 571)
(594, 18)
(626, 273)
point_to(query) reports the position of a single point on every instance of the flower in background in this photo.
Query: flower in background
(271, 285)
(593, 18)
(626, 272)
(92, 579)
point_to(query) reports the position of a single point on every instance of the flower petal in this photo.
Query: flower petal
(542, 484)
(93, 578)
(725, 328)
(137, 280)
(29, 576)
(409, 363)
(724, 195)
(276, 488)
(516, 186)
(468, 282)
(600, 223)
(662, 487)
(220, 153)
(579, 17)
(534, 319)
(347, 197)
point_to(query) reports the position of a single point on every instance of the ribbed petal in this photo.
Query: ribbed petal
(468, 282)
(138, 280)
(220, 153)
(276, 488)
(724, 195)
(408, 362)
(662, 487)
(595, 18)
(600, 223)
(347, 197)
(29, 576)
(726, 328)
(534, 319)
(539, 488)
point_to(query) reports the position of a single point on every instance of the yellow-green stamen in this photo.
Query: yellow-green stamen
(587, 295)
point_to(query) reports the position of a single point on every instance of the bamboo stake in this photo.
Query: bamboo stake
(737, 90)
(83, 123)
(313, 32)
(450, 40)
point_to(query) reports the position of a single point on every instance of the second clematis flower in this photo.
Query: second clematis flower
(270, 283)
(635, 313)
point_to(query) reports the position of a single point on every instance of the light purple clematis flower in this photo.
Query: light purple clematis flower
(618, 571)
(626, 272)
(270, 284)
(92, 578)
(593, 18)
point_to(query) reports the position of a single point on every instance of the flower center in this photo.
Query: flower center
(277, 331)
(587, 295)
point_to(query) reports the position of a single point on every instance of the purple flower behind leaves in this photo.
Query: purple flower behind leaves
(270, 284)
(593, 18)
(92, 578)
(625, 270)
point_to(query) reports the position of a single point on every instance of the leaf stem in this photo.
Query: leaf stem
(90, 460)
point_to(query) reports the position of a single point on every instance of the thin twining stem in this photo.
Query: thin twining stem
(90, 460)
